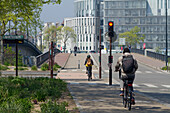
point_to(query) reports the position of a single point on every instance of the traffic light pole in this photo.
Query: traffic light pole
(100, 57)
(110, 64)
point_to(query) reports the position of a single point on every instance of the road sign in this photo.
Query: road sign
(122, 41)
(114, 38)
(13, 39)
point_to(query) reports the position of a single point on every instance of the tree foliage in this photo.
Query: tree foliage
(21, 13)
(65, 33)
(133, 36)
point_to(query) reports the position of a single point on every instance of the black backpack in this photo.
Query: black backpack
(128, 63)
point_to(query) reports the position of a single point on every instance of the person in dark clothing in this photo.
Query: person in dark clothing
(88, 63)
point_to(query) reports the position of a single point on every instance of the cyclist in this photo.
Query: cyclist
(127, 66)
(88, 63)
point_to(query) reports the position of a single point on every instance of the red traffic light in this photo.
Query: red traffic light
(110, 23)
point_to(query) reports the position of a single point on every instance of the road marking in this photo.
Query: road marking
(148, 72)
(83, 70)
(64, 70)
(150, 85)
(167, 86)
(94, 70)
(138, 72)
(135, 85)
(106, 71)
(158, 72)
(74, 70)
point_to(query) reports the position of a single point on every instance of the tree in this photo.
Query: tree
(50, 34)
(22, 14)
(65, 33)
(133, 36)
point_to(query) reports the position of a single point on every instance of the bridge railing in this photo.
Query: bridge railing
(40, 59)
(150, 54)
(139, 51)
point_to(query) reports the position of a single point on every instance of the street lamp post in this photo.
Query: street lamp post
(166, 35)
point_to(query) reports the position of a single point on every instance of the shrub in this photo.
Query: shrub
(56, 65)
(34, 68)
(165, 68)
(3, 67)
(53, 107)
(44, 67)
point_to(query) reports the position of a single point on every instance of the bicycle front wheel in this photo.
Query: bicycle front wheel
(129, 101)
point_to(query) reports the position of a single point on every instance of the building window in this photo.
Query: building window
(161, 4)
(86, 38)
(86, 48)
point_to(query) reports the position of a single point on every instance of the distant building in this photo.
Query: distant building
(93, 15)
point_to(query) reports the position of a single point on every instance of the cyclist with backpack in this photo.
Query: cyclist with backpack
(88, 63)
(127, 65)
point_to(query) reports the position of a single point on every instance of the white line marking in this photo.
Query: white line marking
(158, 72)
(94, 70)
(148, 72)
(150, 85)
(138, 72)
(106, 71)
(135, 85)
(74, 70)
(83, 70)
(63, 70)
(167, 86)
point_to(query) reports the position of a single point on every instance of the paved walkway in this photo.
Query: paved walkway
(97, 96)
(155, 63)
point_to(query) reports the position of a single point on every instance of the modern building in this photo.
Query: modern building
(93, 15)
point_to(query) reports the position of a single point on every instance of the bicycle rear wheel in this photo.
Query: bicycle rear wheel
(125, 98)
(129, 100)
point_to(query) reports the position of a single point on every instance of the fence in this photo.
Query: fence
(44, 57)
(139, 51)
(150, 54)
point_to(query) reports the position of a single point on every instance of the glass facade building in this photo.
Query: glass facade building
(149, 15)
(93, 15)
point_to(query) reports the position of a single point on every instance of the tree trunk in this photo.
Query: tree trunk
(64, 47)
(2, 50)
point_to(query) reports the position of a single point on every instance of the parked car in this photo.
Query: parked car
(92, 51)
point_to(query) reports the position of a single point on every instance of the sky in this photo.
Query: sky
(57, 13)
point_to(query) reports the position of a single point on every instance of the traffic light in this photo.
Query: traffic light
(110, 29)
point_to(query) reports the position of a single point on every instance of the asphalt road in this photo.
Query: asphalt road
(149, 82)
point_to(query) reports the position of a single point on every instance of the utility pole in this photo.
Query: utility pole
(16, 47)
(166, 35)
(111, 35)
(100, 56)
(51, 53)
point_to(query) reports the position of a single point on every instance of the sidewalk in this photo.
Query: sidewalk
(97, 96)
(154, 63)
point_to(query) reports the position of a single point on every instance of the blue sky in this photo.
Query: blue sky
(57, 13)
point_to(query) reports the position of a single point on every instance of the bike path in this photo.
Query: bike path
(97, 96)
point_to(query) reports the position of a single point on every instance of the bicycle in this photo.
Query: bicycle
(127, 97)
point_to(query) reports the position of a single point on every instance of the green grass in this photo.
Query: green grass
(18, 94)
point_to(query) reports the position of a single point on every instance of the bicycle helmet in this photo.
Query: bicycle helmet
(88, 56)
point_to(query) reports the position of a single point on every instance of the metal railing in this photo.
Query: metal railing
(40, 59)
(157, 55)
(150, 54)
(139, 51)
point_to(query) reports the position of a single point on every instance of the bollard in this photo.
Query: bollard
(78, 64)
